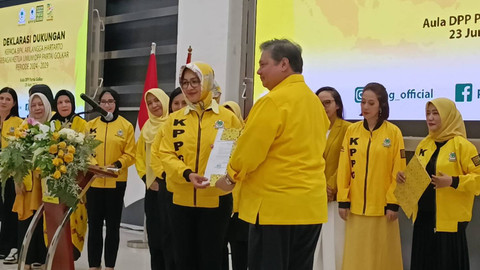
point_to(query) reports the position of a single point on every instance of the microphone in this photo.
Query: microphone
(107, 115)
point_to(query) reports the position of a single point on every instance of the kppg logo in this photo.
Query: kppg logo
(463, 92)
(358, 94)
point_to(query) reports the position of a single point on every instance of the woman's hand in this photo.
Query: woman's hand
(198, 181)
(331, 194)
(343, 212)
(154, 186)
(401, 177)
(19, 188)
(441, 180)
(391, 215)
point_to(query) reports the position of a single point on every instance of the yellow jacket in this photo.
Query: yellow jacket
(8, 128)
(278, 160)
(118, 148)
(332, 150)
(156, 158)
(367, 169)
(78, 124)
(185, 146)
(458, 157)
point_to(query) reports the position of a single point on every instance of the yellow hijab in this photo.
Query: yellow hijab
(452, 122)
(153, 124)
(207, 80)
(235, 108)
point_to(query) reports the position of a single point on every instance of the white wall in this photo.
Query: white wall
(213, 29)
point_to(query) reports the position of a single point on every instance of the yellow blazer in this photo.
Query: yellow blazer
(332, 151)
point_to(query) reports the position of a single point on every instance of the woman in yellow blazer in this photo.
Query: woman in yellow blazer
(200, 212)
(372, 154)
(157, 224)
(445, 208)
(9, 121)
(105, 196)
(65, 117)
(329, 251)
(29, 194)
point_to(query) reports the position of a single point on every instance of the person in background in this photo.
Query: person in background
(46, 91)
(105, 196)
(177, 100)
(9, 121)
(283, 194)
(237, 233)
(65, 117)
(29, 194)
(157, 104)
(445, 208)
(329, 251)
(165, 197)
(65, 104)
(200, 212)
(372, 153)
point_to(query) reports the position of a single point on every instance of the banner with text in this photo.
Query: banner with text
(418, 49)
(44, 42)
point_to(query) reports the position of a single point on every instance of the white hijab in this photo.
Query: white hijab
(46, 104)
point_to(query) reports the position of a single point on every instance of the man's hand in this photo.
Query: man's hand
(198, 181)
(223, 185)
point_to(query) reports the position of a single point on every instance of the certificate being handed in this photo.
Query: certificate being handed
(220, 154)
(416, 182)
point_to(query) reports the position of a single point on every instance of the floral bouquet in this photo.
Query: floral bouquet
(59, 154)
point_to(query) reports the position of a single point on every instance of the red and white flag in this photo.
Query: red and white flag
(136, 188)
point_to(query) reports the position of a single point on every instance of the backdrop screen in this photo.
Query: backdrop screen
(418, 49)
(44, 42)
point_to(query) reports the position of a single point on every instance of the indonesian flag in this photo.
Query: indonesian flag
(136, 188)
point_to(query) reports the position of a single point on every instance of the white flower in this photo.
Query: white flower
(40, 136)
(44, 128)
(52, 126)
(69, 133)
(80, 138)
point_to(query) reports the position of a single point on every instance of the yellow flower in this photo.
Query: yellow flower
(57, 161)
(62, 144)
(63, 169)
(53, 149)
(57, 174)
(55, 135)
(71, 149)
(68, 157)
(60, 153)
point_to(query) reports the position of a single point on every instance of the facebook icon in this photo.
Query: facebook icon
(463, 92)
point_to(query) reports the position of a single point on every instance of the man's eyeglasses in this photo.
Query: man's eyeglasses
(193, 83)
(108, 101)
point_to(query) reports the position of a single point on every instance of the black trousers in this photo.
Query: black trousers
(9, 228)
(37, 251)
(199, 235)
(159, 231)
(282, 247)
(237, 236)
(104, 204)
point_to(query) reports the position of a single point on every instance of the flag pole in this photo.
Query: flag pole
(150, 82)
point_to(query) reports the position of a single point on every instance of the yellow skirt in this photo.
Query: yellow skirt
(372, 243)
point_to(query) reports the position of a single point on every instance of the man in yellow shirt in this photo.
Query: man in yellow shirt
(279, 165)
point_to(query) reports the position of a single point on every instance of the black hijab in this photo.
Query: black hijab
(70, 96)
(116, 97)
(44, 89)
